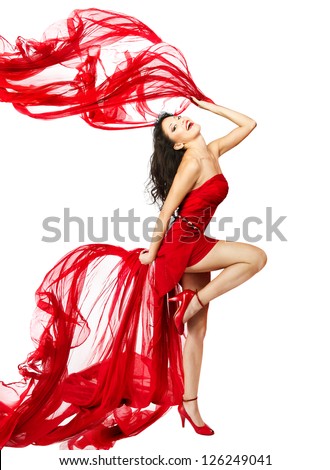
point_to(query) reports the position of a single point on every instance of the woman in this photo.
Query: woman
(108, 358)
(196, 165)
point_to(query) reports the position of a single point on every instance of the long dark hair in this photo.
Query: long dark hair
(164, 163)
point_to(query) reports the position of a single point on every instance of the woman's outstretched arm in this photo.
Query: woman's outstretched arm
(245, 125)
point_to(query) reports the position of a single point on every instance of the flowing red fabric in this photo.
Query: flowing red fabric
(108, 360)
(107, 67)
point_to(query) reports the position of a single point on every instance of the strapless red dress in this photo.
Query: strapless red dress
(185, 243)
(108, 359)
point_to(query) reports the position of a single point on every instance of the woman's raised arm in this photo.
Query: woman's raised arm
(245, 125)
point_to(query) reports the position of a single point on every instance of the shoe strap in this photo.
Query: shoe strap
(199, 300)
(191, 399)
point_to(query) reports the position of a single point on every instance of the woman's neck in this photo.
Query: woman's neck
(197, 146)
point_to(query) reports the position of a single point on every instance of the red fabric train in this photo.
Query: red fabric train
(107, 67)
(107, 362)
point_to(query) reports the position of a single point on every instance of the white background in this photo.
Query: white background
(264, 386)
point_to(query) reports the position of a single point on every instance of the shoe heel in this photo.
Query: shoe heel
(182, 416)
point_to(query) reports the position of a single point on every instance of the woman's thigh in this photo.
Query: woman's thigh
(225, 254)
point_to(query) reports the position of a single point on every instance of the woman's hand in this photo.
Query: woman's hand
(197, 102)
(200, 103)
(145, 257)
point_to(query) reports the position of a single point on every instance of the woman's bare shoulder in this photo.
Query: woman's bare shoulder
(190, 163)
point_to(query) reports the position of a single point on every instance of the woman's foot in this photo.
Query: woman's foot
(187, 299)
(191, 408)
(198, 424)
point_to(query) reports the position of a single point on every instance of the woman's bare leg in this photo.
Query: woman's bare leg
(193, 349)
(238, 261)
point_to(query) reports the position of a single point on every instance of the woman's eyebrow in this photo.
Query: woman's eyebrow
(171, 124)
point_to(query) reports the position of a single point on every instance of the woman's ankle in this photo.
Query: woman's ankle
(193, 308)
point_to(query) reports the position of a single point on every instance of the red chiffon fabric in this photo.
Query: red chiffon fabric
(109, 68)
(108, 359)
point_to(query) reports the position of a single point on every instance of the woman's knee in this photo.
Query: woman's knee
(259, 259)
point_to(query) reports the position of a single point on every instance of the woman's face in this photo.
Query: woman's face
(180, 130)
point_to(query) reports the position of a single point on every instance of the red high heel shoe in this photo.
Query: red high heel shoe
(184, 297)
(204, 430)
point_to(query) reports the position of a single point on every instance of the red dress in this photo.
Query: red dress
(185, 243)
(108, 359)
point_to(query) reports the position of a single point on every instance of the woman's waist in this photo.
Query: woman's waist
(195, 221)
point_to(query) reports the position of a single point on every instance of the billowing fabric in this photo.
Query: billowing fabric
(107, 361)
(107, 67)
